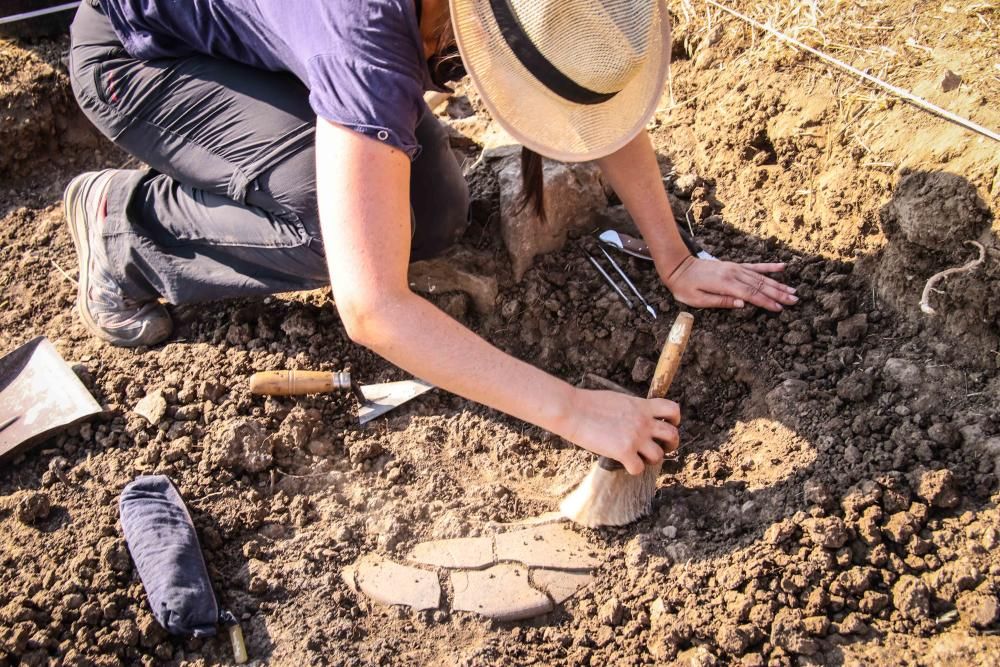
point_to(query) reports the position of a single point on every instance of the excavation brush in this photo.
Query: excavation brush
(609, 495)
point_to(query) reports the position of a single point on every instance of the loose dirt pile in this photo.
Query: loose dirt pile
(834, 501)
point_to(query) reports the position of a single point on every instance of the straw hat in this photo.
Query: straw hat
(573, 80)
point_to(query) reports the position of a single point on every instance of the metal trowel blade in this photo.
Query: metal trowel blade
(381, 398)
(39, 394)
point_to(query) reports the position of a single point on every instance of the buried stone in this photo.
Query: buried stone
(573, 195)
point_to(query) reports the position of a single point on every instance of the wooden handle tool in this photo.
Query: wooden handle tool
(666, 369)
(299, 383)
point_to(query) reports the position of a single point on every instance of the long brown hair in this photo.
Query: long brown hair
(532, 183)
(532, 173)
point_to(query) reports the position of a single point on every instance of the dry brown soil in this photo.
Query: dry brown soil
(834, 501)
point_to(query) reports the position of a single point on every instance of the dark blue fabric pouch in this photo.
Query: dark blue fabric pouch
(164, 545)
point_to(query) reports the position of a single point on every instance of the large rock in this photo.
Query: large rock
(153, 406)
(574, 196)
(784, 400)
(978, 610)
(33, 506)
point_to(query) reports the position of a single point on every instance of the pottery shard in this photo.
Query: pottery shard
(573, 196)
(470, 552)
(390, 583)
(152, 407)
(561, 585)
(502, 592)
(552, 546)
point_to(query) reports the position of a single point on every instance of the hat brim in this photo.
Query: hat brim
(542, 120)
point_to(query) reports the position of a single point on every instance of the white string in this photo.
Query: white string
(896, 90)
(39, 12)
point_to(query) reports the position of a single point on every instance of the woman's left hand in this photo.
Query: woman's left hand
(714, 284)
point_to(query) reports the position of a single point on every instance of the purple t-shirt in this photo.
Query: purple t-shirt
(362, 60)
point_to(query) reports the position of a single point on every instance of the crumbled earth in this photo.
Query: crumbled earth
(835, 497)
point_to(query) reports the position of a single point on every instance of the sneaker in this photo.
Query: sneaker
(104, 308)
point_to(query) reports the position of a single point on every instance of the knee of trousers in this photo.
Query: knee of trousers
(310, 263)
(440, 228)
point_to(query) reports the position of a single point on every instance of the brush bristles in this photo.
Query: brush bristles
(611, 497)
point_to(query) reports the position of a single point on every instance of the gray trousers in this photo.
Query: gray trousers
(228, 206)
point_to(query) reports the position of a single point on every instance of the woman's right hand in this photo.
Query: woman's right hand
(633, 431)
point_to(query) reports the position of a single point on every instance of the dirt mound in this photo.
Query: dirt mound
(928, 223)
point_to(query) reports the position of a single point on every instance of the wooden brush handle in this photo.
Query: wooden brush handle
(670, 356)
(298, 383)
(666, 369)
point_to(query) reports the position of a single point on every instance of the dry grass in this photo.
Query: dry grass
(903, 42)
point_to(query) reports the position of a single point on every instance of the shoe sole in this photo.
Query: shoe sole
(73, 205)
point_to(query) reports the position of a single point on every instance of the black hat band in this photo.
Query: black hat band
(536, 63)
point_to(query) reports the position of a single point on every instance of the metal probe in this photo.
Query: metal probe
(649, 308)
(610, 281)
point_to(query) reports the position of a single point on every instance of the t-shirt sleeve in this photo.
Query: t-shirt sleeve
(376, 91)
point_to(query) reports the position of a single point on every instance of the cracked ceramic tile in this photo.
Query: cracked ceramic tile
(501, 592)
(464, 552)
(561, 585)
(549, 545)
(391, 583)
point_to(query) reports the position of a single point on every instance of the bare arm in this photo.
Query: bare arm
(634, 174)
(364, 208)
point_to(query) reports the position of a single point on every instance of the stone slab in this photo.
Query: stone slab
(501, 592)
(390, 583)
(553, 546)
(468, 552)
(561, 585)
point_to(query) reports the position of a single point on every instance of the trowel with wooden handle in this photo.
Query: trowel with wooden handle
(375, 399)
